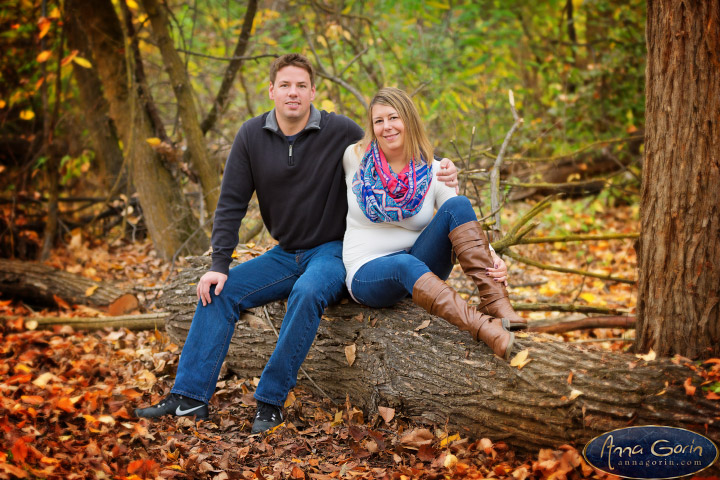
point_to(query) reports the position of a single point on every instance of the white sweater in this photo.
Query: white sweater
(365, 240)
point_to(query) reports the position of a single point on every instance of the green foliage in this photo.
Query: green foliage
(72, 168)
(459, 59)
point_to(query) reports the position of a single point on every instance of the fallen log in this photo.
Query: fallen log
(38, 283)
(409, 360)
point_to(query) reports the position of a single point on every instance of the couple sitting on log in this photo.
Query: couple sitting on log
(375, 233)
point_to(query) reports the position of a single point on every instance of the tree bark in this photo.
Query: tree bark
(436, 373)
(207, 172)
(679, 247)
(169, 219)
(101, 128)
(223, 94)
(37, 282)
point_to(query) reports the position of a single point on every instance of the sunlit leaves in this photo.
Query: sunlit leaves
(82, 62)
(43, 56)
(27, 115)
(44, 25)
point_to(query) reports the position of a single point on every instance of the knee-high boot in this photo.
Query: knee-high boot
(470, 245)
(438, 298)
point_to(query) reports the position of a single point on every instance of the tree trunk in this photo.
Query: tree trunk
(436, 373)
(39, 283)
(679, 248)
(170, 222)
(207, 172)
(101, 128)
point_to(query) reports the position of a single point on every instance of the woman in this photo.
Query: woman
(393, 244)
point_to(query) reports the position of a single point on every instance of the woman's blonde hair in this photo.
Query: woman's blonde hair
(416, 140)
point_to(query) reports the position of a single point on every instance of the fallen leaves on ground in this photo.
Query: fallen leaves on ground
(66, 402)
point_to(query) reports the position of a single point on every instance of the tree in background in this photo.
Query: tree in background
(679, 254)
(167, 213)
(575, 67)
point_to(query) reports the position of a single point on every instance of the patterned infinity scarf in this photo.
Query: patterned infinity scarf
(385, 196)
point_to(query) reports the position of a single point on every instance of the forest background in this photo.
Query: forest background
(115, 122)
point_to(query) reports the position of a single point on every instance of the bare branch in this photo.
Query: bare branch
(322, 72)
(543, 266)
(223, 94)
(495, 171)
(229, 59)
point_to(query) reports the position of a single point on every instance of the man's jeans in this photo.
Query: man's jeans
(310, 280)
(384, 281)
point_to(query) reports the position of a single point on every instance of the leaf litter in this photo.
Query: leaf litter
(66, 397)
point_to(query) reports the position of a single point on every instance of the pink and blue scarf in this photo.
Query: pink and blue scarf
(385, 196)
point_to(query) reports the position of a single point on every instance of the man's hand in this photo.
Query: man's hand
(448, 173)
(206, 281)
(499, 272)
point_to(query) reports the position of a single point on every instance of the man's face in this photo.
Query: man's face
(292, 93)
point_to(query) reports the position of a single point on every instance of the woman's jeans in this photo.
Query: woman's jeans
(384, 281)
(310, 280)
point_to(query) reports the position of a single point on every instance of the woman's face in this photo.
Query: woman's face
(389, 129)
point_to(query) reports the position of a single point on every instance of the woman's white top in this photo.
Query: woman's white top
(365, 240)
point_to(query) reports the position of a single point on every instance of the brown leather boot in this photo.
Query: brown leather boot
(470, 245)
(438, 298)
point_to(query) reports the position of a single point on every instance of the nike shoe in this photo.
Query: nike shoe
(267, 417)
(177, 405)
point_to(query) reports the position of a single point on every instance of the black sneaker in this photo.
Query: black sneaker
(177, 405)
(267, 417)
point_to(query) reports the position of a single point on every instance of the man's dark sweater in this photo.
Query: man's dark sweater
(300, 186)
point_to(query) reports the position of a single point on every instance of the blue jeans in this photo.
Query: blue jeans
(310, 280)
(384, 281)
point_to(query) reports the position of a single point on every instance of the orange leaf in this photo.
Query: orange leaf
(122, 413)
(712, 396)
(32, 399)
(61, 303)
(65, 404)
(131, 393)
(712, 360)
(19, 451)
(44, 25)
(43, 56)
(297, 472)
(124, 304)
(689, 388)
(134, 466)
(69, 58)
(13, 470)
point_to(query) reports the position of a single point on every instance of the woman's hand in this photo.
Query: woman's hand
(448, 173)
(206, 281)
(499, 273)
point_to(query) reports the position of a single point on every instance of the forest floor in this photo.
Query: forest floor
(66, 397)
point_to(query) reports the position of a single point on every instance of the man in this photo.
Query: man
(292, 157)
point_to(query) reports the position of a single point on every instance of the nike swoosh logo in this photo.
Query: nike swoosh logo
(180, 412)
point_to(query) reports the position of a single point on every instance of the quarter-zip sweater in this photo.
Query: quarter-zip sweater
(300, 186)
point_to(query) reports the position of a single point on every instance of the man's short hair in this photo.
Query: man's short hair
(292, 60)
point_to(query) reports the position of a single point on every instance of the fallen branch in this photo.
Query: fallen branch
(146, 321)
(576, 238)
(565, 307)
(553, 268)
(554, 326)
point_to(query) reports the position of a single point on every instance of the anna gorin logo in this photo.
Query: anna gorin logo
(651, 452)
